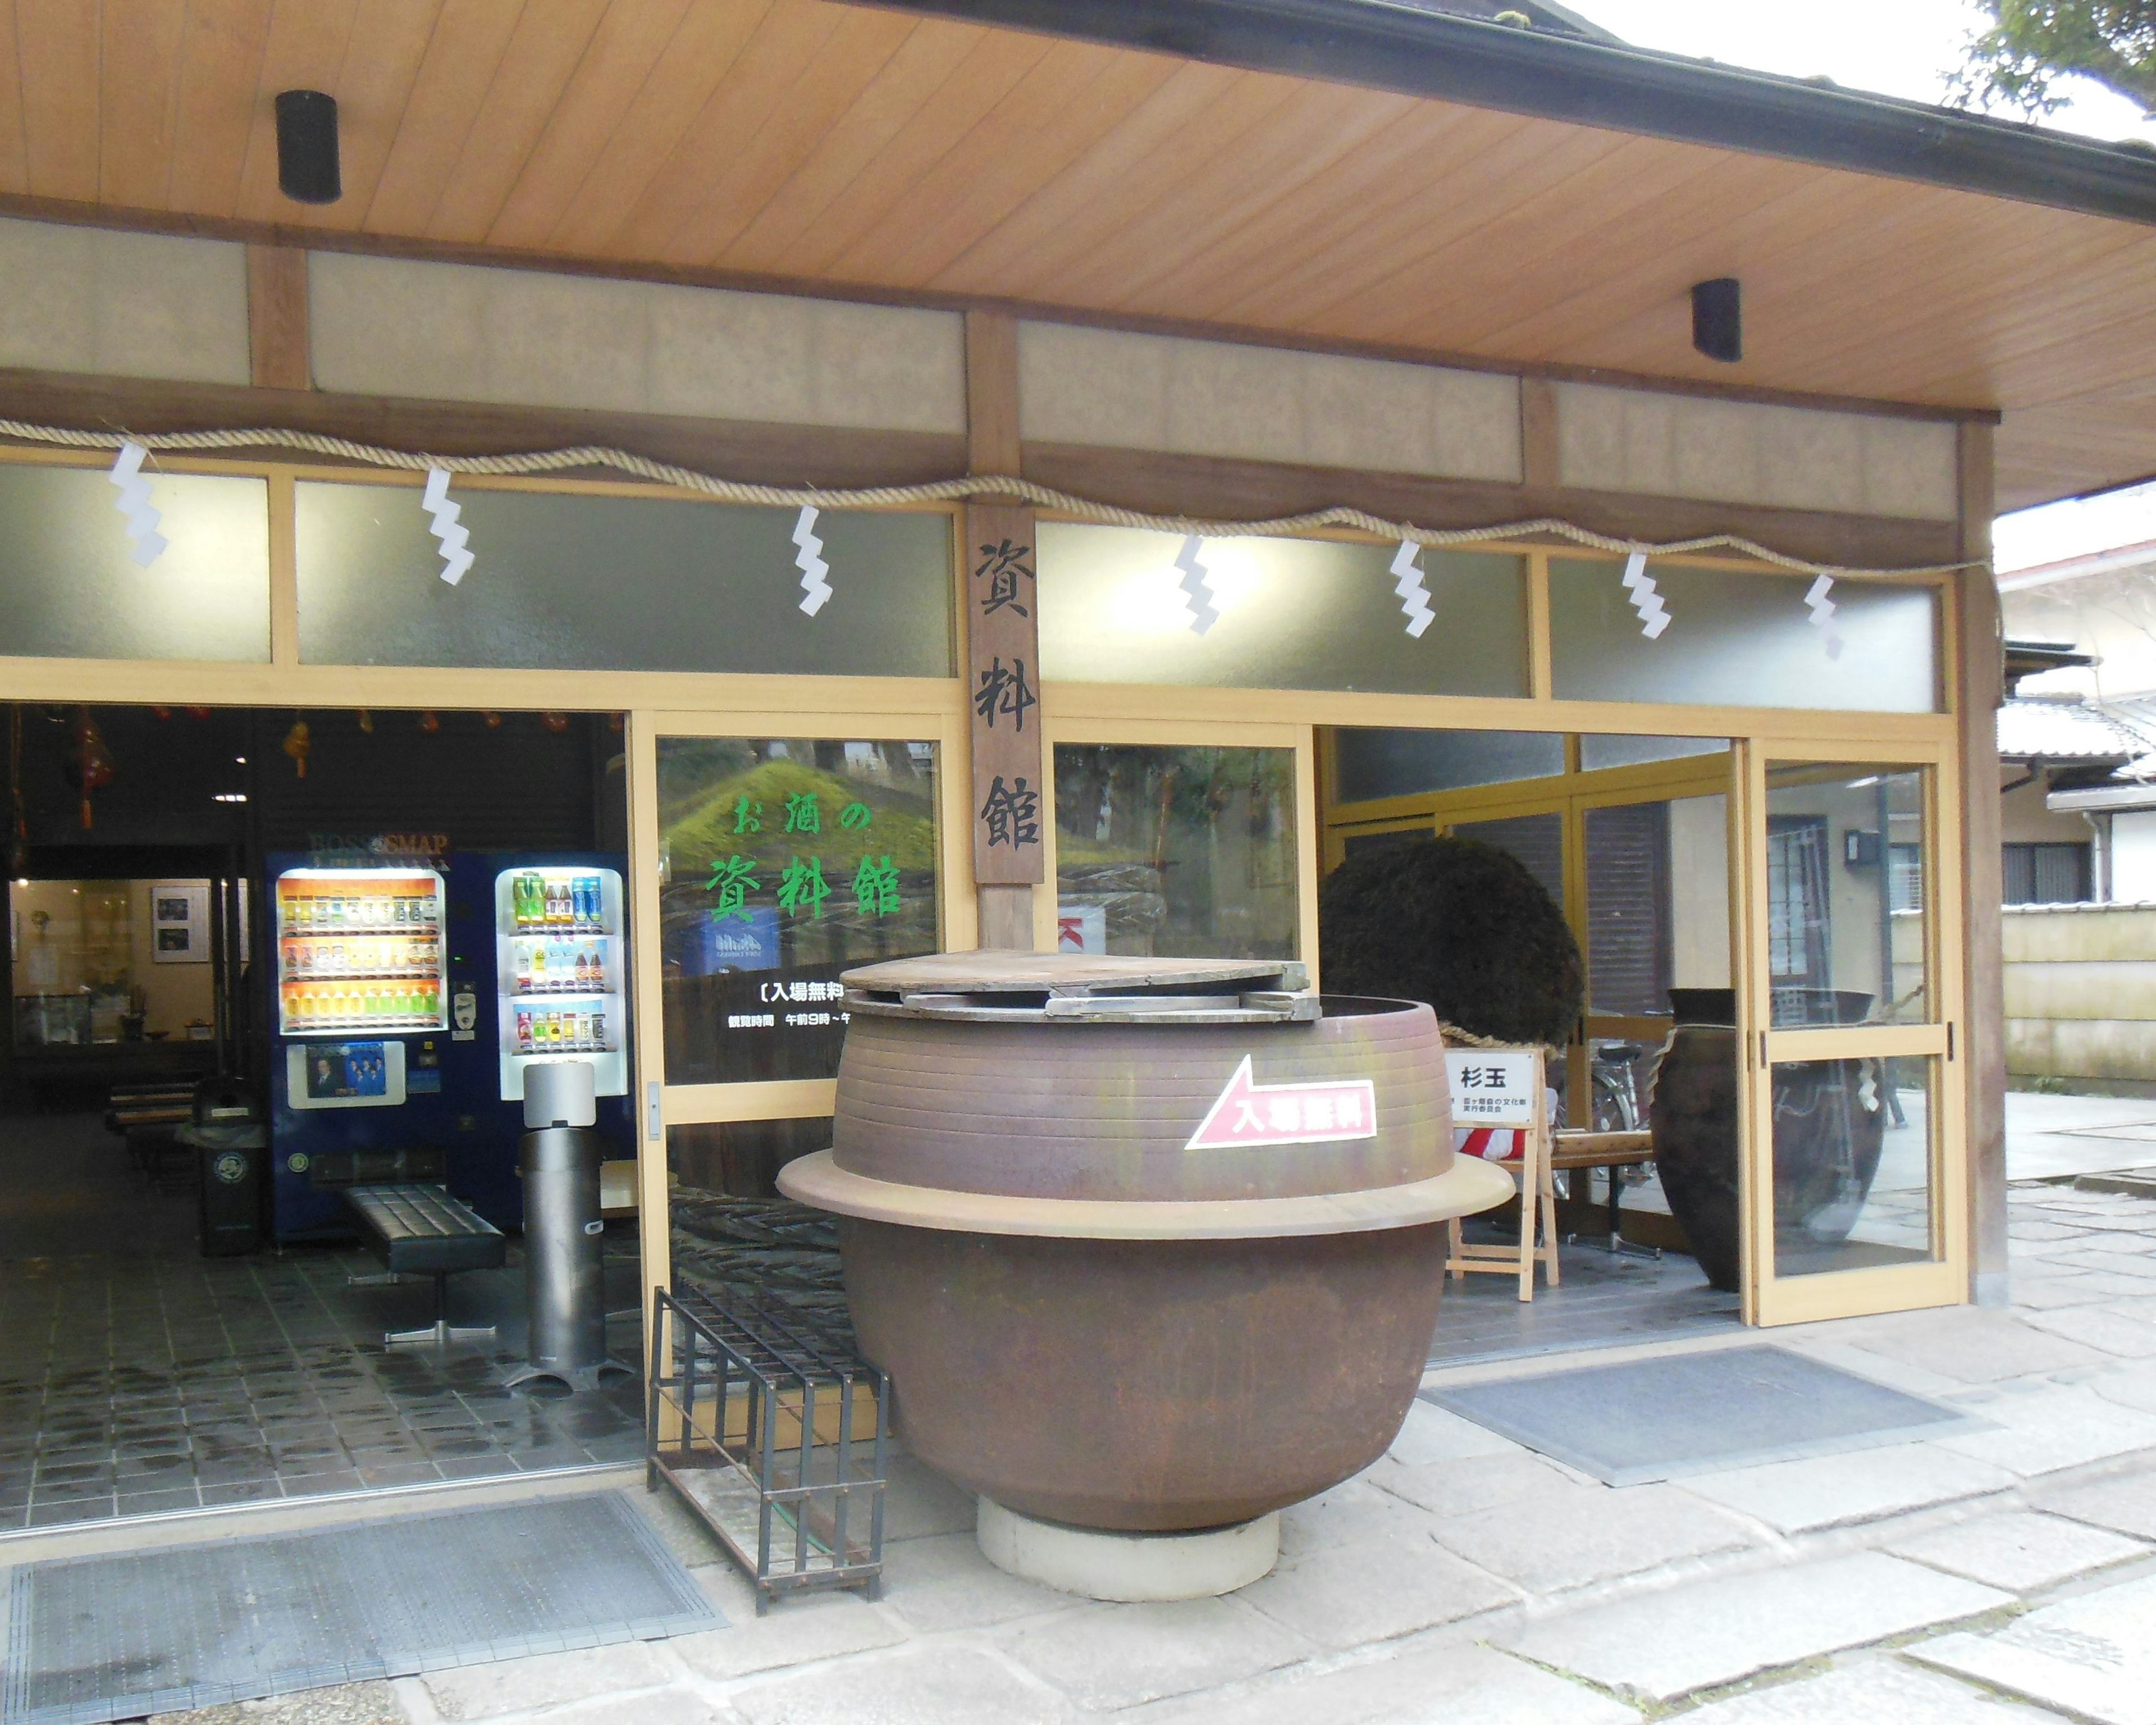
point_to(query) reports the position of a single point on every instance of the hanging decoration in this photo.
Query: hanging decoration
(492, 719)
(430, 721)
(1823, 609)
(555, 722)
(1654, 615)
(815, 590)
(133, 503)
(366, 721)
(1408, 584)
(195, 712)
(449, 533)
(89, 764)
(296, 745)
(977, 486)
(1198, 589)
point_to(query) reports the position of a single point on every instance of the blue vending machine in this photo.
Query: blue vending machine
(409, 1001)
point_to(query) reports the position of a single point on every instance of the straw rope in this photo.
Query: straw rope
(978, 485)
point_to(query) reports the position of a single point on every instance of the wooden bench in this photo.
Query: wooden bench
(1583, 1149)
(421, 1230)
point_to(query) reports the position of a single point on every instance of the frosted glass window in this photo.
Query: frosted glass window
(1373, 763)
(70, 588)
(574, 581)
(1599, 753)
(1292, 613)
(1742, 640)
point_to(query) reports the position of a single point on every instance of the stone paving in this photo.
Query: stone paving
(1996, 1575)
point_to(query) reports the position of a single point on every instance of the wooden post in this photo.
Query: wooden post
(1010, 803)
(1979, 689)
(277, 317)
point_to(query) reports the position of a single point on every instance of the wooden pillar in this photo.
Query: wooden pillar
(1002, 611)
(277, 317)
(1980, 688)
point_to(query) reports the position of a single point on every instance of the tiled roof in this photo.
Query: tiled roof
(2071, 729)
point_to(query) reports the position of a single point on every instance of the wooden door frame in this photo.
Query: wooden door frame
(1768, 1300)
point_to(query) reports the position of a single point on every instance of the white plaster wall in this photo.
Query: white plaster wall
(111, 304)
(457, 332)
(1117, 390)
(1747, 452)
(2133, 857)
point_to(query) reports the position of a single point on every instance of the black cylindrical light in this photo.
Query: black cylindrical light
(1718, 319)
(307, 168)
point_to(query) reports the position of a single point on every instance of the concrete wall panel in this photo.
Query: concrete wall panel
(112, 304)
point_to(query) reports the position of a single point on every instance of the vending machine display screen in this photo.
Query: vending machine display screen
(359, 949)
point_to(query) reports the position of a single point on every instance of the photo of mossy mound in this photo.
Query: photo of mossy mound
(1459, 925)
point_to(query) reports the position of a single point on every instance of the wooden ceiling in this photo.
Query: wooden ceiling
(802, 141)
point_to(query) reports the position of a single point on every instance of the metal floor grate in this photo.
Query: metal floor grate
(103, 1638)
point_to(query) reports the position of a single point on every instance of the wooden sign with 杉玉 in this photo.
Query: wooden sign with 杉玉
(1002, 679)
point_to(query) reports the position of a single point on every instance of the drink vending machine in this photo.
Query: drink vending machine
(409, 1001)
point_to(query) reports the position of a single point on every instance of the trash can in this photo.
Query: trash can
(564, 1238)
(230, 1144)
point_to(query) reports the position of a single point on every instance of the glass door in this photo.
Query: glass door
(1849, 1021)
(769, 854)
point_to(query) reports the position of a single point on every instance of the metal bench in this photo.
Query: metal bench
(421, 1230)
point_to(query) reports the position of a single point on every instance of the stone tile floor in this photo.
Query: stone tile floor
(134, 1385)
(1995, 1576)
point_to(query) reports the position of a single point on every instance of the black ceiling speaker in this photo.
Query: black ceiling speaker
(1718, 319)
(307, 168)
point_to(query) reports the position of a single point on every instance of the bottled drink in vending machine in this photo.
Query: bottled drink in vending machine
(524, 1029)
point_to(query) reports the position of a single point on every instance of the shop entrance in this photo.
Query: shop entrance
(263, 963)
(1630, 836)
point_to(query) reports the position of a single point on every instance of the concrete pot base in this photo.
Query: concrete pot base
(1128, 1566)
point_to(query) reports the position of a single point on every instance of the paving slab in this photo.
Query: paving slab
(2087, 1287)
(2093, 1656)
(2126, 1503)
(1573, 1536)
(1350, 1513)
(1704, 1633)
(373, 1703)
(1109, 1656)
(795, 1631)
(919, 1503)
(651, 1706)
(2054, 1428)
(1882, 1690)
(1431, 1434)
(2101, 1327)
(1456, 1488)
(944, 1583)
(2020, 1550)
(914, 1685)
(1971, 1343)
(549, 1680)
(2122, 1261)
(1471, 1685)
(1374, 1589)
(1860, 1485)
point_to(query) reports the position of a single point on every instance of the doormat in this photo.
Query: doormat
(115, 1637)
(1697, 1413)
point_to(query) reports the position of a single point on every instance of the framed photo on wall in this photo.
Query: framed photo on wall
(179, 921)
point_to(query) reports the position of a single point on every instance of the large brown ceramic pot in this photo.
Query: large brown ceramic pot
(1829, 1127)
(1145, 1244)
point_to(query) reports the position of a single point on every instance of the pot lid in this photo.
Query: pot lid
(1096, 988)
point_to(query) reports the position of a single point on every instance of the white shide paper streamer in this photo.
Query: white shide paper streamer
(451, 535)
(1197, 586)
(1653, 615)
(815, 590)
(1823, 609)
(1415, 596)
(134, 504)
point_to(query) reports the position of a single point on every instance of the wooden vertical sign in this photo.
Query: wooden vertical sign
(1003, 637)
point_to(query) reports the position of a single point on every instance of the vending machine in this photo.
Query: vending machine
(560, 973)
(409, 1001)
